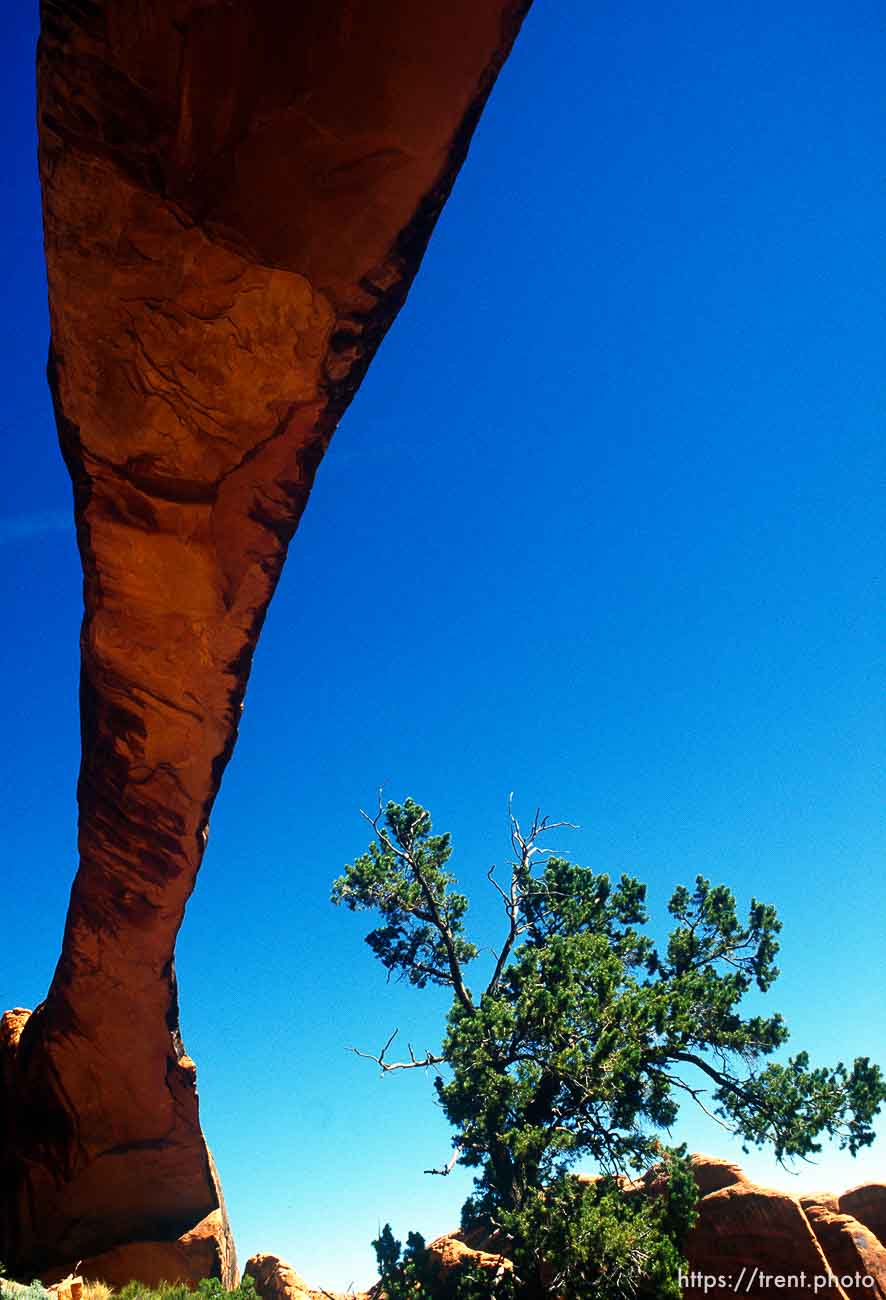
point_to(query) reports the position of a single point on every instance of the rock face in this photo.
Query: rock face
(459, 1248)
(745, 1231)
(866, 1203)
(207, 1250)
(236, 199)
(742, 1228)
(852, 1251)
(712, 1174)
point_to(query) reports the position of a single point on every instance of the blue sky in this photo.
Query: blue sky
(601, 528)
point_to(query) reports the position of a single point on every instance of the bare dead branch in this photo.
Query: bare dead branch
(490, 876)
(526, 850)
(387, 1067)
(696, 1094)
(447, 1169)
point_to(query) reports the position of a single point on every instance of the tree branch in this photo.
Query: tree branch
(696, 1095)
(526, 847)
(435, 918)
(448, 1168)
(510, 901)
(387, 1067)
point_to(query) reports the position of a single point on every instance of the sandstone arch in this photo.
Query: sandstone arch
(236, 199)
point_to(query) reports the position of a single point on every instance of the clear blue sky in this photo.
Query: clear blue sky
(602, 527)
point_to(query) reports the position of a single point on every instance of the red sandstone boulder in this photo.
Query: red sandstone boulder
(867, 1203)
(711, 1173)
(69, 1288)
(204, 1251)
(276, 1280)
(457, 1248)
(818, 1200)
(745, 1237)
(853, 1252)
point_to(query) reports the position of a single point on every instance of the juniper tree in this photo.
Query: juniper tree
(586, 1034)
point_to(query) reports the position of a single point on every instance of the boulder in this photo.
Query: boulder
(853, 1253)
(818, 1200)
(68, 1288)
(745, 1237)
(867, 1203)
(276, 1280)
(712, 1173)
(205, 1251)
(472, 1247)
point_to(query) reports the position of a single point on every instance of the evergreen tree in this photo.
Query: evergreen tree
(586, 1035)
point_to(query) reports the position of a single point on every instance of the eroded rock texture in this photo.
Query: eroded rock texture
(237, 194)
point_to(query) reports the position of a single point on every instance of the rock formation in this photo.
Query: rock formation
(853, 1253)
(866, 1203)
(744, 1231)
(275, 1278)
(236, 199)
(746, 1238)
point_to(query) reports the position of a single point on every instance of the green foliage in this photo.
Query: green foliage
(35, 1290)
(208, 1288)
(403, 1274)
(571, 1239)
(575, 1239)
(163, 1291)
(587, 1034)
(413, 1274)
(401, 876)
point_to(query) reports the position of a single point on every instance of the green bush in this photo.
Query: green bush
(578, 1239)
(574, 1239)
(35, 1291)
(414, 1274)
(209, 1288)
